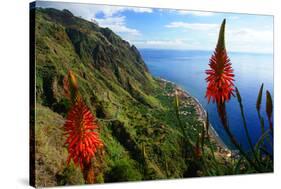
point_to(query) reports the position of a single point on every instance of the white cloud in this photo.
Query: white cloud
(159, 44)
(109, 11)
(117, 24)
(164, 42)
(88, 11)
(250, 40)
(140, 10)
(250, 34)
(111, 15)
(113, 20)
(195, 13)
(167, 44)
(237, 39)
(192, 26)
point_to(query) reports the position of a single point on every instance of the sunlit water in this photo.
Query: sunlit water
(187, 69)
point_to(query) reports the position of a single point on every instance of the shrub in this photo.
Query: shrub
(123, 170)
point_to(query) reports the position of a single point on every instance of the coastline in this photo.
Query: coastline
(222, 147)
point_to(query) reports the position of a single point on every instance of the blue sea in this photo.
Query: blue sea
(187, 69)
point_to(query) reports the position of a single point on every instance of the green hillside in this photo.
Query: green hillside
(135, 111)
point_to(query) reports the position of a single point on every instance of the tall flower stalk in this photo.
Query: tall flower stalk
(220, 78)
(80, 128)
(220, 86)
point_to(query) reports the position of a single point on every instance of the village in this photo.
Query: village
(187, 100)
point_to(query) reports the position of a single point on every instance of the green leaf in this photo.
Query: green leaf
(269, 106)
(258, 104)
(261, 139)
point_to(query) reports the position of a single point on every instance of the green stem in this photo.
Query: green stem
(222, 114)
(263, 128)
(261, 122)
(186, 138)
(245, 125)
(210, 143)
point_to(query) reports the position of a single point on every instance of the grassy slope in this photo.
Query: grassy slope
(137, 120)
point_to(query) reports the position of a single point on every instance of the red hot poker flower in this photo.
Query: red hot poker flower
(83, 141)
(220, 77)
(70, 86)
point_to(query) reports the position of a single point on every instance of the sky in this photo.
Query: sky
(177, 29)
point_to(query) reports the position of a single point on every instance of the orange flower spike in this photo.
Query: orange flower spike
(83, 141)
(73, 81)
(220, 76)
(70, 86)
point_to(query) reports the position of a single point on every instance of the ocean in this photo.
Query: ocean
(187, 69)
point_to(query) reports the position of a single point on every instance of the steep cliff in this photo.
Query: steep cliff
(135, 111)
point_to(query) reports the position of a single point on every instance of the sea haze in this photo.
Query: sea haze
(187, 69)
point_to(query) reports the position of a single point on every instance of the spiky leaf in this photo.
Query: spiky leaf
(269, 106)
(259, 99)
